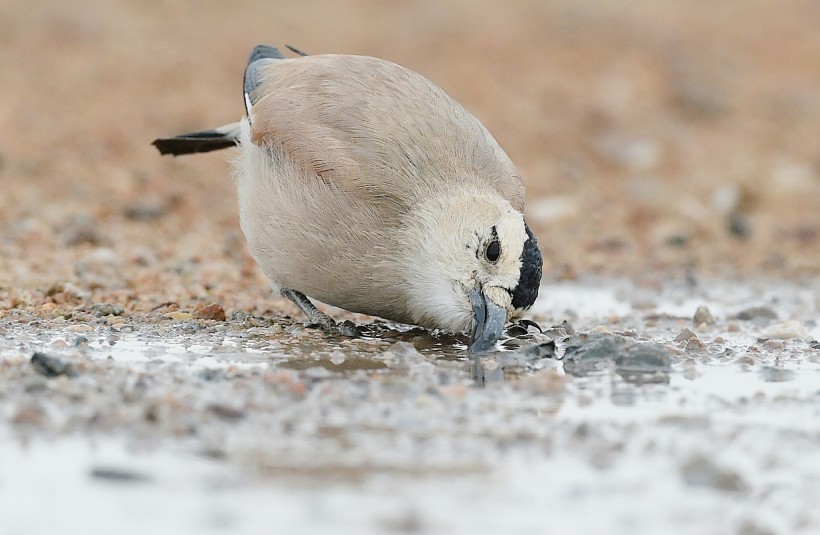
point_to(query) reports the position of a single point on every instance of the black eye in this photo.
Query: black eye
(493, 251)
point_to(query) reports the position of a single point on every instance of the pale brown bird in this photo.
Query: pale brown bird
(365, 186)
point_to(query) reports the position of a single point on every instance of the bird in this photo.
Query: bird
(363, 185)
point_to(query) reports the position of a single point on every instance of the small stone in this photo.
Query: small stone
(49, 366)
(643, 364)
(786, 330)
(225, 412)
(107, 309)
(694, 344)
(702, 327)
(685, 335)
(600, 329)
(756, 314)
(738, 225)
(82, 328)
(213, 311)
(774, 345)
(703, 315)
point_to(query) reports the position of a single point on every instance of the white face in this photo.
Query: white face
(471, 243)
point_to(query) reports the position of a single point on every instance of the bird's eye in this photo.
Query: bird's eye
(493, 251)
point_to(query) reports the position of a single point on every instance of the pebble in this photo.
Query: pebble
(756, 314)
(49, 366)
(637, 363)
(786, 330)
(685, 335)
(703, 315)
(774, 344)
(225, 412)
(107, 309)
(213, 311)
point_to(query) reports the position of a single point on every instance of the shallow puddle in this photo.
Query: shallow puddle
(621, 405)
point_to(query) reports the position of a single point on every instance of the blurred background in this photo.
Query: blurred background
(657, 138)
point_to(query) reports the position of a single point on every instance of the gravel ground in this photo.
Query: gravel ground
(149, 382)
(682, 409)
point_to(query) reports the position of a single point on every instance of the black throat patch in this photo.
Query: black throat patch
(531, 265)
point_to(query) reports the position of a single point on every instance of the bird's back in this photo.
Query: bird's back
(375, 128)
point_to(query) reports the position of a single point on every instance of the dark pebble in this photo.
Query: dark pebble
(636, 363)
(739, 225)
(349, 329)
(765, 314)
(51, 366)
(225, 412)
(118, 475)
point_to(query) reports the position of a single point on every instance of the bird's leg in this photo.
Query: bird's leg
(327, 324)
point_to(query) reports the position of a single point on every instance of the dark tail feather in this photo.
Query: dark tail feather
(204, 141)
(296, 50)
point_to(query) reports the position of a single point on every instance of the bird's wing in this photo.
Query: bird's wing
(362, 123)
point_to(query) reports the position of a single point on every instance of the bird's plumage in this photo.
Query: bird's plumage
(352, 119)
(364, 185)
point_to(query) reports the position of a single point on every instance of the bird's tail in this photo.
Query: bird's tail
(204, 141)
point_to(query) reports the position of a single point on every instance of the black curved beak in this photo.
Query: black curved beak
(488, 322)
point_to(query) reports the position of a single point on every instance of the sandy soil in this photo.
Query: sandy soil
(671, 160)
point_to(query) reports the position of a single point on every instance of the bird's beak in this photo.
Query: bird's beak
(488, 321)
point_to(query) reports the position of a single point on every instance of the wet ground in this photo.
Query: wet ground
(634, 411)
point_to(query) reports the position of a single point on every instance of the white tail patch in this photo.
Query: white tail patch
(248, 108)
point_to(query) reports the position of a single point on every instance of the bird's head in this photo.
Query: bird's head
(474, 266)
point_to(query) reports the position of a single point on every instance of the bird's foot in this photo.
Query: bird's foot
(323, 321)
